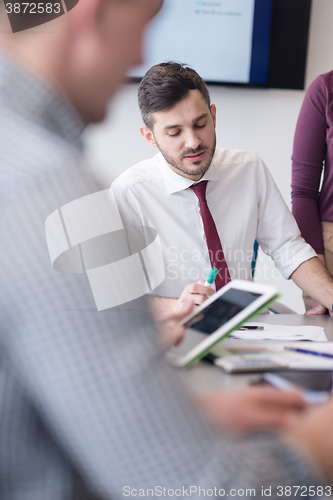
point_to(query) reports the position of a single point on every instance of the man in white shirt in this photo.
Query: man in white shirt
(241, 194)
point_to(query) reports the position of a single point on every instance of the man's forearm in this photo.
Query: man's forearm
(314, 279)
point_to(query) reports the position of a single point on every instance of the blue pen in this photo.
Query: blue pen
(306, 351)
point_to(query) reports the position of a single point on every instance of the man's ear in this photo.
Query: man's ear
(213, 113)
(148, 135)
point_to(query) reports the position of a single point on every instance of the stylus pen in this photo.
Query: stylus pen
(211, 277)
(308, 396)
(280, 382)
(306, 351)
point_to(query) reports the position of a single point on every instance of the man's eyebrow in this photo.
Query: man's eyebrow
(201, 117)
(169, 127)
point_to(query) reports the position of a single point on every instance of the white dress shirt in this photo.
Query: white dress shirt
(244, 201)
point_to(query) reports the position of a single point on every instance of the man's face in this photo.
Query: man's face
(117, 48)
(128, 20)
(185, 135)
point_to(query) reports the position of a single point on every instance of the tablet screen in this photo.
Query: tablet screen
(221, 310)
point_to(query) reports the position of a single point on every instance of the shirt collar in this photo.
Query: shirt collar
(30, 95)
(174, 182)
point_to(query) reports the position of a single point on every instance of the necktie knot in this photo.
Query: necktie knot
(200, 190)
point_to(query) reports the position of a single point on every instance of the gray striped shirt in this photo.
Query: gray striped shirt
(88, 406)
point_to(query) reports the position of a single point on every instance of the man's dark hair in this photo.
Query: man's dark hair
(166, 84)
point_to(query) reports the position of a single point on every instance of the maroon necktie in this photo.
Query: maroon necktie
(213, 240)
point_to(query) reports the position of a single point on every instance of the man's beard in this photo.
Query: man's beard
(192, 171)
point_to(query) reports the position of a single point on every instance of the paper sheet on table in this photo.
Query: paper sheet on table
(282, 332)
(302, 361)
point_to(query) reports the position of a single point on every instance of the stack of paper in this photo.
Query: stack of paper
(279, 352)
(281, 332)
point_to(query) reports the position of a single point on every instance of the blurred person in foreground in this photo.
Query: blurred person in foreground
(88, 405)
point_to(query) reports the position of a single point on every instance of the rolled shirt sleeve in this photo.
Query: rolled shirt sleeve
(278, 233)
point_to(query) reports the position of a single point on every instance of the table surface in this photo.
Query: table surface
(202, 376)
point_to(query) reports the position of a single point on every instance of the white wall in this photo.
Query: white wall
(259, 120)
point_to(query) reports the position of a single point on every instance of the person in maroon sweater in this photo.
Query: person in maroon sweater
(312, 174)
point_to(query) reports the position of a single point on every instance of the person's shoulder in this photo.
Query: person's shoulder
(324, 78)
(322, 84)
(224, 157)
(41, 155)
(140, 173)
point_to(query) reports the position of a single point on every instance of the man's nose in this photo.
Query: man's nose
(191, 140)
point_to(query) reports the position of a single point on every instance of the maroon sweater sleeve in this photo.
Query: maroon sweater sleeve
(307, 163)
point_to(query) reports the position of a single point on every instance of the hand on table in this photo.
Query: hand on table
(196, 292)
(252, 409)
(317, 308)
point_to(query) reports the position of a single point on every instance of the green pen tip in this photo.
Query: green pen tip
(212, 275)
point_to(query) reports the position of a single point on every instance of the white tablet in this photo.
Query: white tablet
(214, 320)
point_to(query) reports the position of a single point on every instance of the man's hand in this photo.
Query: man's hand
(252, 409)
(172, 332)
(314, 279)
(196, 292)
(168, 312)
(317, 308)
(314, 434)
